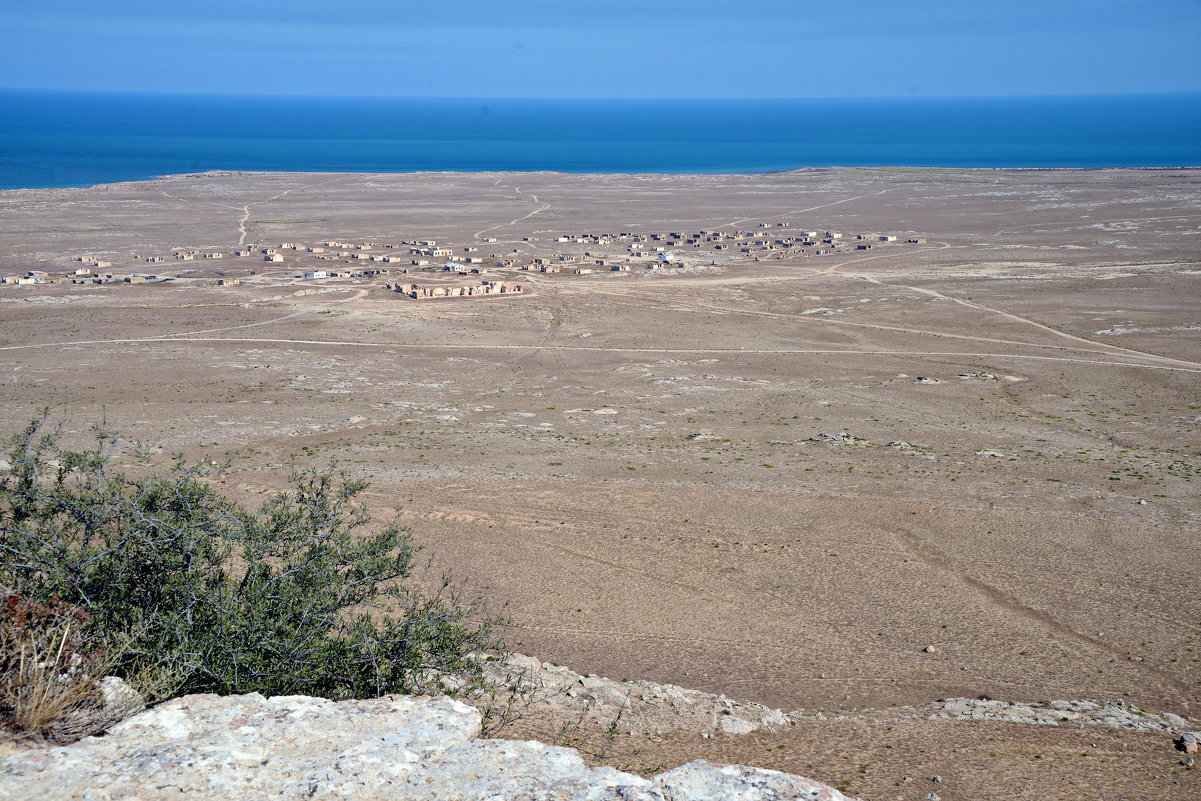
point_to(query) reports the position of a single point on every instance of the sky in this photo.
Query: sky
(604, 48)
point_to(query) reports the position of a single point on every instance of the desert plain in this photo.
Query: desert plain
(843, 484)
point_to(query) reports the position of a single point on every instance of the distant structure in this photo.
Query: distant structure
(485, 289)
(584, 254)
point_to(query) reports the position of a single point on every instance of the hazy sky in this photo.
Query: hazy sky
(604, 48)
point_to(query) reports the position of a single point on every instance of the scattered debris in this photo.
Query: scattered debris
(842, 437)
(1118, 330)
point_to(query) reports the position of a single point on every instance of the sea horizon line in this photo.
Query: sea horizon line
(597, 98)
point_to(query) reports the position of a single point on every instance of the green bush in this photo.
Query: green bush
(300, 596)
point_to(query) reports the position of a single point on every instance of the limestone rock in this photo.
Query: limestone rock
(642, 705)
(732, 725)
(395, 748)
(1115, 714)
(517, 771)
(118, 699)
(709, 780)
(247, 746)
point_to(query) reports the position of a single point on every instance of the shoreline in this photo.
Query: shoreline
(809, 169)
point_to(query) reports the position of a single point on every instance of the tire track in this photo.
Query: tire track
(519, 190)
(996, 597)
(177, 339)
(795, 212)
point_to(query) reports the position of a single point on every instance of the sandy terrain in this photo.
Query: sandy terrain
(722, 476)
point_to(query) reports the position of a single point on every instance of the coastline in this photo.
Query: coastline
(217, 173)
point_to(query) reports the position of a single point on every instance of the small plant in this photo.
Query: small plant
(573, 733)
(570, 733)
(53, 683)
(607, 737)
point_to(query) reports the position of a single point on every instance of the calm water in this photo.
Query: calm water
(79, 139)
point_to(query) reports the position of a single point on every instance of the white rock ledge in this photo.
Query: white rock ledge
(397, 748)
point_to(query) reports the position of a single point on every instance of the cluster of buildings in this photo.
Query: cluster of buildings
(31, 277)
(197, 255)
(654, 251)
(622, 251)
(83, 275)
(661, 249)
(486, 288)
(568, 264)
(419, 251)
(463, 268)
(750, 242)
(114, 278)
(320, 274)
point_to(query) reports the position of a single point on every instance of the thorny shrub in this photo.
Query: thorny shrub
(302, 595)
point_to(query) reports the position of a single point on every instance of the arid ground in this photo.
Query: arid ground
(967, 466)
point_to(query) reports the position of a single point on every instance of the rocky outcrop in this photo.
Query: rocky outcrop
(649, 708)
(636, 706)
(1115, 714)
(397, 748)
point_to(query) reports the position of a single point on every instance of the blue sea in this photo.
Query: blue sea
(50, 139)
